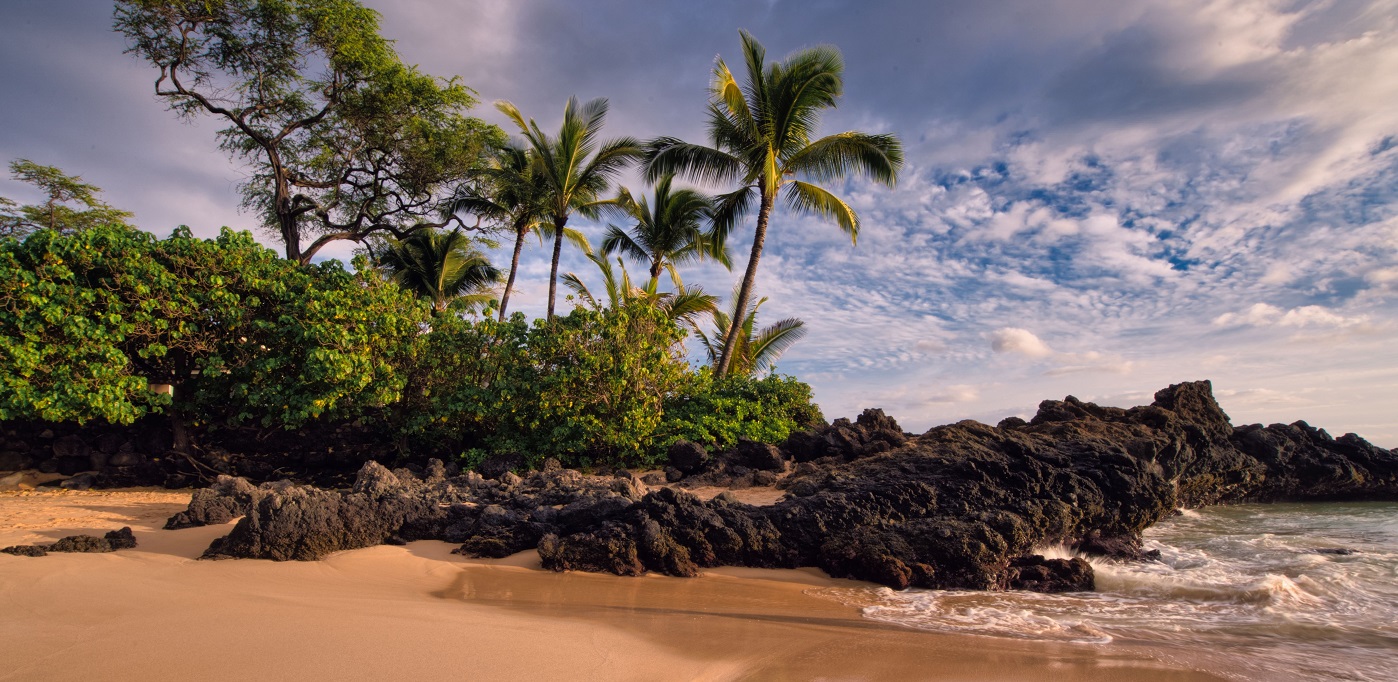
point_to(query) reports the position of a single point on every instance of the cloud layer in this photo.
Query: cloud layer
(1100, 199)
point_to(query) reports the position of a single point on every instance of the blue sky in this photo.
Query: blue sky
(1100, 198)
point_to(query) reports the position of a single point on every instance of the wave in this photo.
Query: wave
(1249, 579)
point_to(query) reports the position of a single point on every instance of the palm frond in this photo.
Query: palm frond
(670, 156)
(578, 240)
(804, 197)
(616, 239)
(878, 157)
(575, 283)
(729, 210)
(772, 341)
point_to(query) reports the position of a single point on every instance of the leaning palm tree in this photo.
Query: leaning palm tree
(575, 166)
(755, 352)
(683, 306)
(509, 193)
(761, 138)
(668, 232)
(438, 266)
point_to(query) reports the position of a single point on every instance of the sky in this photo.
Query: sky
(1099, 199)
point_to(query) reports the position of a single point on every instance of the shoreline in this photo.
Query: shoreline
(154, 612)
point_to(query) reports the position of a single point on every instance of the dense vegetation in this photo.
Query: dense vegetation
(102, 322)
(91, 320)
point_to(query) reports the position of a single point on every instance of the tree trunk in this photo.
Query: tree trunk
(740, 308)
(514, 267)
(654, 276)
(290, 234)
(558, 224)
(179, 434)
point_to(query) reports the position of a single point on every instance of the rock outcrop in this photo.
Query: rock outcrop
(110, 542)
(961, 506)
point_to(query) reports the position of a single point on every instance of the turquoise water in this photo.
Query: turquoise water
(1251, 592)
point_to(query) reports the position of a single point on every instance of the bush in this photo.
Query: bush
(586, 388)
(716, 413)
(89, 320)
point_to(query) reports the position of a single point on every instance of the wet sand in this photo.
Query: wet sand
(155, 613)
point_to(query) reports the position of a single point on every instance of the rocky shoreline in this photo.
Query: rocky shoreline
(961, 506)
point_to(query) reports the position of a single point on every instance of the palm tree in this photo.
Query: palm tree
(755, 352)
(575, 166)
(683, 306)
(510, 193)
(761, 138)
(439, 266)
(667, 234)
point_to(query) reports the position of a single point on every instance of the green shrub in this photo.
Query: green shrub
(89, 320)
(590, 387)
(716, 413)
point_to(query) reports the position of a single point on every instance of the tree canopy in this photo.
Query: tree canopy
(439, 266)
(344, 140)
(761, 137)
(576, 166)
(58, 212)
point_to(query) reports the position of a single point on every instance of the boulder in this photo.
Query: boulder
(305, 523)
(82, 481)
(758, 456)
(111, 542)
(1037, 574)
(70, 446)
(688, 457)
(225, 500)
(13, 460)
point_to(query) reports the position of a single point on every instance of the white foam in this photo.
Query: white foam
(1233, 578)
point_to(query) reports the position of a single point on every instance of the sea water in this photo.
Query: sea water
(1251, 592)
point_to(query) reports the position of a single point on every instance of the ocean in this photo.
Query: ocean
(1249, 592)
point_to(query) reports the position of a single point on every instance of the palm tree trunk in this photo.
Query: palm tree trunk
(740, 307)
(654, 285)
(558, 224)
(514, 267)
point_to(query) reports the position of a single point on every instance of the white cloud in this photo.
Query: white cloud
(1021, 341)
(1264, 315)
(959, 393)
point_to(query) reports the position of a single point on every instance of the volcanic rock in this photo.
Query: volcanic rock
(26, 550)
(961, 506)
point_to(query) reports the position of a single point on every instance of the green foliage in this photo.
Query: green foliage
(761, 138)
(439, 266)
(717, 412)
(756, 350)
(63, 350)
(57, 212)
(344, 138)
(667, 235)
(586, 388)
(89, 320)
(576, 167)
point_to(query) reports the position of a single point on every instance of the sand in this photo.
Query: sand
(419, 612)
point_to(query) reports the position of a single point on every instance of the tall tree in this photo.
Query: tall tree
(668, 232)
(57, 212)
(438, 266)
(509, 193)
(761, 137)
(576, 166)
(344, 139)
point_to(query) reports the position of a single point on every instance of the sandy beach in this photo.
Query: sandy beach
(417, 611)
